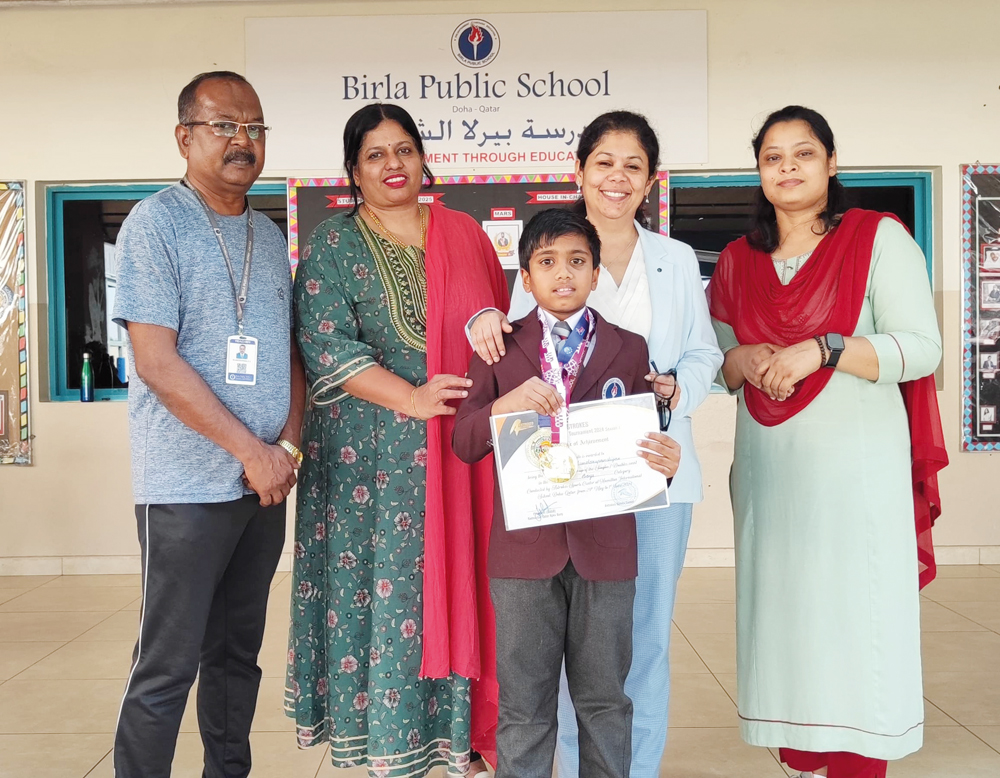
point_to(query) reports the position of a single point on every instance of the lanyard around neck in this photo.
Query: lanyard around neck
(243, 291)
(561, 365)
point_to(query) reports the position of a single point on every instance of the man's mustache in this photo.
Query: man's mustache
(240, 155)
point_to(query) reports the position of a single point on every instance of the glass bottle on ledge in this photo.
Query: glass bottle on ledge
(86, 380)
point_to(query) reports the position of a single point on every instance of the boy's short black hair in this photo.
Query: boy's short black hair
(547, 226)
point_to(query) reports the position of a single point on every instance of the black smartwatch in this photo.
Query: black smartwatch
(835, 345)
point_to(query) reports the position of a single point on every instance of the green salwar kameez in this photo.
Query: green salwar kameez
(355, 638)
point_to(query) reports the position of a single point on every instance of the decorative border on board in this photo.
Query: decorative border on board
(294, 184)
(970, 261)
(23, 456)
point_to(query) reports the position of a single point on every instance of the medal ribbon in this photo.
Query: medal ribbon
(561, 366)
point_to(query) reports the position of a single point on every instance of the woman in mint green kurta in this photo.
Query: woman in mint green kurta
(357, 616)
(828, 621)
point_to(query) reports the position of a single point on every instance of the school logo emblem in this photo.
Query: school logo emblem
(613, 389)
(475, 43)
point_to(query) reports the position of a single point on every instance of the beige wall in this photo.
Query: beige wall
(88, 94)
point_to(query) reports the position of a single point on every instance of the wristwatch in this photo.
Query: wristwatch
(835, 345)
(291, 449)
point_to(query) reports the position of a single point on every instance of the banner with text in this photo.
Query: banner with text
(492, 92)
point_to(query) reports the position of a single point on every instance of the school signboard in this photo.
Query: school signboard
(501, 91)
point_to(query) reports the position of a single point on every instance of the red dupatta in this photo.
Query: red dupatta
(827, 295)
(463, 277)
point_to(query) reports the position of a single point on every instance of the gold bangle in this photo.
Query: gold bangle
(292, 449)
(413, 404)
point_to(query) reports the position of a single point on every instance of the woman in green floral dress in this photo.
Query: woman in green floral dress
(357, 632)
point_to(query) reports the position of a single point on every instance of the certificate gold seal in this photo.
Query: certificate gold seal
(537, 448)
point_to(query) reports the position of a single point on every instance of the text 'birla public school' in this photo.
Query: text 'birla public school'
(475, 87)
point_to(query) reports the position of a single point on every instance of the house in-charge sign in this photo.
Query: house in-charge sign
(491, 92)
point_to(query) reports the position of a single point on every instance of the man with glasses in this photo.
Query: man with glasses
(215, 412)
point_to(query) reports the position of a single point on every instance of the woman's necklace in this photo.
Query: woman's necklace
(626, 254)
(393, 238)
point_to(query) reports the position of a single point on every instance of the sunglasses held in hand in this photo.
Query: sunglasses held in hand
(663, 401)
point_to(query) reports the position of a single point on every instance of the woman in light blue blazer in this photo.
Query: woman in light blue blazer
(649, 284)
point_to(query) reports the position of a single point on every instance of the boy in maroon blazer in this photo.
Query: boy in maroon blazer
(565, 590)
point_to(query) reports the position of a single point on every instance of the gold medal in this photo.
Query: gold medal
(560, 463)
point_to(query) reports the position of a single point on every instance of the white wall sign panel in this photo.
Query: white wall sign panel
(492, 92)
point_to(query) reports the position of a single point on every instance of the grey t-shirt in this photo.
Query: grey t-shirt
(171, 273)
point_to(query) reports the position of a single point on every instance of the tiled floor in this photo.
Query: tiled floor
(65, 645)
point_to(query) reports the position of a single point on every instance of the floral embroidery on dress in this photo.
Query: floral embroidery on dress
(355, 641)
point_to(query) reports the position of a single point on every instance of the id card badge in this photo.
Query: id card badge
(241, 360)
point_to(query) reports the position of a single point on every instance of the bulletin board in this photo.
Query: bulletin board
(15, 440)
(502, 204)
(981, 307)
